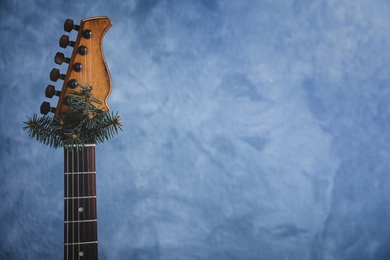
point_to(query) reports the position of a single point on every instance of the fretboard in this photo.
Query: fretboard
(80, 227)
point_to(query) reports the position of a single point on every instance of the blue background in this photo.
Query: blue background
(251, 130)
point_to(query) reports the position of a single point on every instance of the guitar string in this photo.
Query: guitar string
(67, 170)
(88, 58)
(74, 180)
(85, 187)
(86, 190)
(79, 194)
(65, 200)
(84, 165)
(86, 149)
(81, 168)
(72, 191)
(71, 201)
(91, 149)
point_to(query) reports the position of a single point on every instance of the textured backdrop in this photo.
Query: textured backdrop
(251, 130)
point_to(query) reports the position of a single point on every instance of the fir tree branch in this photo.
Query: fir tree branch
(82, 124)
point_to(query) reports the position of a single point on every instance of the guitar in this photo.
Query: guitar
(87, 66)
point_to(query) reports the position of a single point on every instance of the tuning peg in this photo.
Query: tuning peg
(64, 42)
(46, 108)
(50, 91)
(87, 34)
(77, 67)
(60, 58)
(82, 50)
(55, 75)
(72, 83)
(69, 26)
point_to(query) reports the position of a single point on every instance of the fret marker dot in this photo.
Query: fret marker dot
(81, 210)
(81, 253)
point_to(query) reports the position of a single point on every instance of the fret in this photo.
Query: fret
(80, 221)
(68, 173)
(84, 197)
(81, 243)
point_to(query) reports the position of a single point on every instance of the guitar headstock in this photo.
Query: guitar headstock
(87, 65)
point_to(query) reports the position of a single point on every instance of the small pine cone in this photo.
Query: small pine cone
(74, 137)
(90, 116)
(117, 122)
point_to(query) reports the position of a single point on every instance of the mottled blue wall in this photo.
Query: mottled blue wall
(251, 130)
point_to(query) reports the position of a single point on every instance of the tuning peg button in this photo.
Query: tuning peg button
(60, 58)
(77, 67)
(64, 42)
(82, 50)
(55, 75)
(50, 91)
(72, 83)
(46, 108)
(87, 34)
(69, 26)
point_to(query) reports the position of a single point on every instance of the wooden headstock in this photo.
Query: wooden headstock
(87, 65)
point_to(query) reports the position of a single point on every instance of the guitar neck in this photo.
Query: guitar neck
(80, 226)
